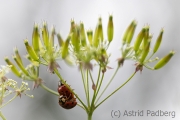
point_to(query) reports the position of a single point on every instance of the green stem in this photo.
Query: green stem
(49, 90)
(108, 45)
(59, 75)
(100, 84)
(117, 89)
(37, 74)
(90, 115)
(7, 94)
(85, 87)
(150, 56)
(91, 77)
(43, 63)
(9, 101)
(148, 67)
(97, 82)
(94, 95)
(108, 84)
(2, 116)
(81, 106)
(87, 84)
(2, 93)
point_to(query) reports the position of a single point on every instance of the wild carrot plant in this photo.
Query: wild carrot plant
(83, 49)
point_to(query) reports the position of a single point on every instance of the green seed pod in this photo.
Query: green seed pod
(96, 38)
(33, 70)
(20, 65)
(98, 35)
(131, 32)
(127, 32)
(163, 61)
(158, 41)
(45, 35)
(65, 47)
(110, 29)
(30, 50)
(146, 36)
(17, 55)
(82, 34)
(145, 52)
(101, 35)
(51, 41)
(72, 26)
(90, 36)
(75, 38)
(35, 38)
(13, 67)
(60, 40)
(139, 39)
(41, 47)
(52, 37)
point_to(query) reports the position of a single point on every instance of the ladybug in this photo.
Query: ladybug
(66, 98)
(67, 103)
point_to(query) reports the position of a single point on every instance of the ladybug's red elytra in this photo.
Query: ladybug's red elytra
(66, 98)
(63, 90)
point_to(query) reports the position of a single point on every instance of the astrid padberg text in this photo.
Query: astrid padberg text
(141, 113)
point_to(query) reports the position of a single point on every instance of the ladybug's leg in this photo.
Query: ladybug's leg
(69, 96)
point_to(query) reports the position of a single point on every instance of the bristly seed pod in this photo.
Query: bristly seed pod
(163, 61)
(60, 40)
(110, 29)
(82, 34)
(146, 36)
(98, 35)
(145, 52)
(101, 35)
(72, 26)
(45, 35)
(90, 36)
(158, 41)
(13, 67)
(139, 39)
(35, 38)
(30, 50)
(20, 65)
(65, 47)
(75, 37)
(73, 32)
(129, 32)
(17, 55)
(51, 42)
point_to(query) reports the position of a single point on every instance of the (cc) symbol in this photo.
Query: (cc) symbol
(116, 113)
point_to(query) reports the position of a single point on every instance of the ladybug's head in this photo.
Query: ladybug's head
(59, 84)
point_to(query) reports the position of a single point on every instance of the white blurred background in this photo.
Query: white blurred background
(151, 90)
